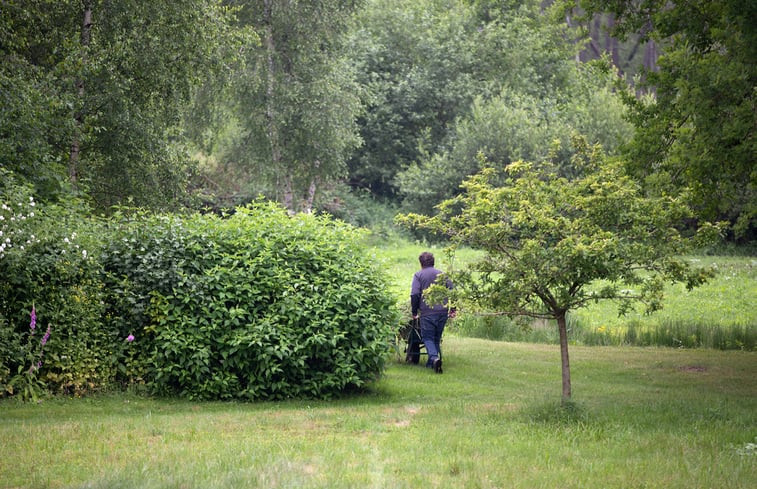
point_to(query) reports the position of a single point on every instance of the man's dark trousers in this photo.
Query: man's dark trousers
(432, 327)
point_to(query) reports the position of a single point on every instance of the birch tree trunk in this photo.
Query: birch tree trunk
(307, 204)
(270, 113)
(86, 35)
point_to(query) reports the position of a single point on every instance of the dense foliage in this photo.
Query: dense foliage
(93, 93)
(250, 306)
(698, 130)
(214, 102)
(48, 262)
(295, 102)
(256, 305)
(445, 80)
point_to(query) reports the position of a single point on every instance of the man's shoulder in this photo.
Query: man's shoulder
(429, 272)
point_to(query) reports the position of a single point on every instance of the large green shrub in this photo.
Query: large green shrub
(259, 305)
(256, 305)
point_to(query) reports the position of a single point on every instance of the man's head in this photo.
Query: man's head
(426, 259)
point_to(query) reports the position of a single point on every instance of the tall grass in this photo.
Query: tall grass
(668, 333)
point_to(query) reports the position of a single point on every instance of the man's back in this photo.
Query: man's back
(422, 280)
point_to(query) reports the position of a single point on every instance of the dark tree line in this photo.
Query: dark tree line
(210, 102)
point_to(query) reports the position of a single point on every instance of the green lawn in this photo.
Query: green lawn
(643, 417)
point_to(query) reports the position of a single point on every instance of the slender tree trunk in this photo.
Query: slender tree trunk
(73, 162)
(307, 204)
(650, 56)
(270, 113)
(288, 199)
(612, 44)
(650, 60)
(563, 328)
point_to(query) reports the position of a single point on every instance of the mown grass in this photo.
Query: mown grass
(642, 417)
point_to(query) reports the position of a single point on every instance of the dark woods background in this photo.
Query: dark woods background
(363, 108)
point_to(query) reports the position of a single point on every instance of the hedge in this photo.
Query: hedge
(255, 305)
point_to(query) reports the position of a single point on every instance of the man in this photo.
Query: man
(433, 317)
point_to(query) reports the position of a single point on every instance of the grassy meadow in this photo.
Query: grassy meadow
(641, 417)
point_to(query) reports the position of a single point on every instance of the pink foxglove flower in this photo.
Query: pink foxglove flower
(33, 323)
(46, 337)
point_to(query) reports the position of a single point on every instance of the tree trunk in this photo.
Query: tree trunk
(650, 56)
(270, 112)
(612, 44)
(288, 199)
(307, 204)
(650, 61)
(563, 328)
(73, 160)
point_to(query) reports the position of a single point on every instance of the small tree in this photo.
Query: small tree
(553, 245)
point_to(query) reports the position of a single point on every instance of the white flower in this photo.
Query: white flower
(31, 214)
(84, 253)
(65, 240)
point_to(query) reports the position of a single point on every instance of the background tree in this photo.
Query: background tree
(36, 126)
(536, 94)
(297, 102)
(554, 244)
(417, 64)
(96, 90)
(698, 133)
(513, 126)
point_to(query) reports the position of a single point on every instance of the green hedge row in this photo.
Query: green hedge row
(256, 305)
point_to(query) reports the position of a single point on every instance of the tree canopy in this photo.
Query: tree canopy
(213, 102)
(698, 130)
(94, 92)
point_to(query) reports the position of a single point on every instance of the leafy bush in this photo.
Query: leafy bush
(259, 305)
(48, 263)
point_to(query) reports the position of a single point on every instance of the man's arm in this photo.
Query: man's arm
(415, 295)
(415, 304)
